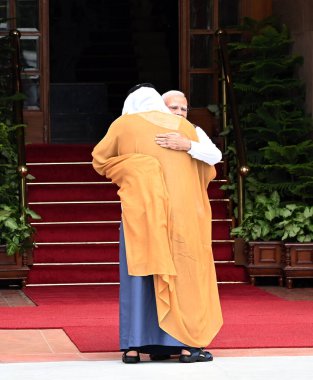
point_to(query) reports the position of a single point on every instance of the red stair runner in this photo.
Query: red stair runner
(78, 234)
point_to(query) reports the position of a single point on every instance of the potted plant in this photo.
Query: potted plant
(278, 140)
(15, 228)
(262, 233)
(297, 225)
(278, 237)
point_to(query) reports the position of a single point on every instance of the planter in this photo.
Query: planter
(299, 262)
(16, 267)
(266, 259)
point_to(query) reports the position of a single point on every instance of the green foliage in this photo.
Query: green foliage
(16, 233)
(15, 229)
(261, 220)
(277, 132)
(267, 219)
(297, 223)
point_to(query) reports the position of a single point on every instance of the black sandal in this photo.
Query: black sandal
(196, 355)
(130, 359)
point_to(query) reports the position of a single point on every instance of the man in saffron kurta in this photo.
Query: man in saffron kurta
(167, 220)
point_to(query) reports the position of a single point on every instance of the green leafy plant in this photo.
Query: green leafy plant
(16, 233)
(297, 223)
(15, 228)
(277, 131)
(267, 219)
(261, 221)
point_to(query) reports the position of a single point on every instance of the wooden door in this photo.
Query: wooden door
(199, 71)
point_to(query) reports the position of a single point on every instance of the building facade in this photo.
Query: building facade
(80, 57)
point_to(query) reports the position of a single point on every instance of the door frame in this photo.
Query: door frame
(37, 121)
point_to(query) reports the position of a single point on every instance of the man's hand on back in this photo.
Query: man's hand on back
(173, 140)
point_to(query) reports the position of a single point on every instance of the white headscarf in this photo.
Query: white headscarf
(142, 100)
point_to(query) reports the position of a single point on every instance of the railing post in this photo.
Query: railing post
(242, 167)
(18, 118)
(243, 171)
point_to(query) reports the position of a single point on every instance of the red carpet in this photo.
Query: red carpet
(89, 315)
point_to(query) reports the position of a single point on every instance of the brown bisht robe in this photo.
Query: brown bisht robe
(167, 221)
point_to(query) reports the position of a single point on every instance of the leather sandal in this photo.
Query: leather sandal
(155, 357)
(127, 359)
(196, 355)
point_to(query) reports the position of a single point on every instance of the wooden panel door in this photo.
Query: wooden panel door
(199, 71)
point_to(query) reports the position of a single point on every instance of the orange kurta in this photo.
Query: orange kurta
(167, 221)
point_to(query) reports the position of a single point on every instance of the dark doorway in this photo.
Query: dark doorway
(98, 50)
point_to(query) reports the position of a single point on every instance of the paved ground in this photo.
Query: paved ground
(222, 368)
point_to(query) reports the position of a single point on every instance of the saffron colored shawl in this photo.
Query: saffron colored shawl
(167, 221)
